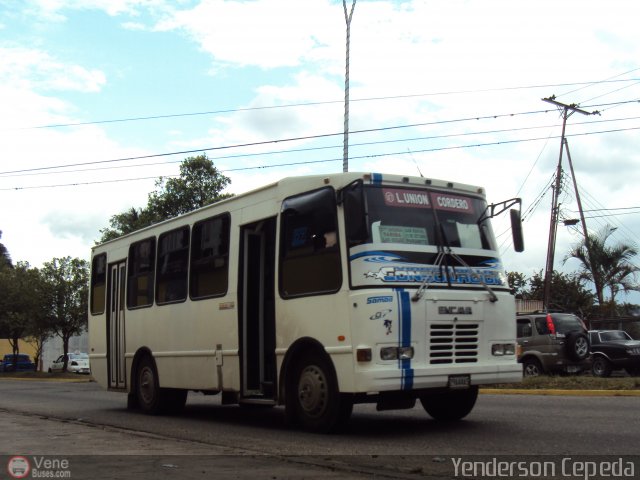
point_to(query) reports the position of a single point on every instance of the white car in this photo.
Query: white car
(77, 363)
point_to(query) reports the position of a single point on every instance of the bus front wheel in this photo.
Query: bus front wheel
(313, 399)
(450, 406)
(151, 398)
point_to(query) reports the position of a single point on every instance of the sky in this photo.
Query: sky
(99, 98)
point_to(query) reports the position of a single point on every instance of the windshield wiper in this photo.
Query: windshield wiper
(444, 251)
(425, 283)
(492, 296)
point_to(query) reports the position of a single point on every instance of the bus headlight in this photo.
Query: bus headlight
(502, 349)
(405, 353)
(396, 353)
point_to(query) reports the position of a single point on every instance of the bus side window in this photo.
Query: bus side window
(173, 264)
(98, 283)
(141, 273)
(309, 253)
(210, 258)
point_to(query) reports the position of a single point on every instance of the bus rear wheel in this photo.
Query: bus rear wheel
(151, 398)
(450, 406)
(313, 399)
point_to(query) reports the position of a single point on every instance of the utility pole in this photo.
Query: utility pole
(345, 150)
(567, 111)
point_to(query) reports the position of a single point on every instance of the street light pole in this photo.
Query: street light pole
(345, 150)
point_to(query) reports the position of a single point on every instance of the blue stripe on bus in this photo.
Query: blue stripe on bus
(381, 254)
(376, 178)
(404, 333)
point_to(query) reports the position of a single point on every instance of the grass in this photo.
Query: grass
(575, 382)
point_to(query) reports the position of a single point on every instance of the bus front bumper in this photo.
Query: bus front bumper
(403, 379)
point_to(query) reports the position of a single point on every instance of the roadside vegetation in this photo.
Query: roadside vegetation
(575, 382)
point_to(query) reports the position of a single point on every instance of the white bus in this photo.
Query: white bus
(315, 293)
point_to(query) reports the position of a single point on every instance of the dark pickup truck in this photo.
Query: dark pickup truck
(23, 364)
(614, 350)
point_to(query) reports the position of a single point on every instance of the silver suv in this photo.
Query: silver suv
(552, 343)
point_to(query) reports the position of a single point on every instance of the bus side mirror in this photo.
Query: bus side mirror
(516, 230)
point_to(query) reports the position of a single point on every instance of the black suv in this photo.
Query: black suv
(552, 343)
(613, 350)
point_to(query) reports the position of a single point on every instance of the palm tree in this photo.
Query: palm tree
(607, 267)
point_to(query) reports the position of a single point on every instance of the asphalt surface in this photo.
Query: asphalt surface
(75, 449)
(91, 452)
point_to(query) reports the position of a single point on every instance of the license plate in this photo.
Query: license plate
(459, 381)
(573, 369)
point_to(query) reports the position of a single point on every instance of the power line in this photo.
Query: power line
(374, 155)
(307, 149)
(307, 104)
(610, 209)
(267, 142)
(54, 167)
(606, 80)
(613, 215)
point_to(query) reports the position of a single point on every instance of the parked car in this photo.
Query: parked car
(77, 363)
(614, 350)
(552, 343)
(24, 363)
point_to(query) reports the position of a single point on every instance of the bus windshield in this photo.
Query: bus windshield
(398, 235)
(424, 217)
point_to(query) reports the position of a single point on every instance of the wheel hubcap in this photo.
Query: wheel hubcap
(582, 347)
(312, 391)
(146, 386)
(531, 371)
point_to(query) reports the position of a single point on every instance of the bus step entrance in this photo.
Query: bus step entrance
(267, 389)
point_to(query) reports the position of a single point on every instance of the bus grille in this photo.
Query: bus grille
(453, 343)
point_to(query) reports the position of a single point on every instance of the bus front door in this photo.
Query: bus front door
(115, 325)
(257, 318)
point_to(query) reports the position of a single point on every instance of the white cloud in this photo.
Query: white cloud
(33, 69)
(267, 34)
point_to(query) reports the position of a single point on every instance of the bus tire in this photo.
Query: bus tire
(152, 399)
(313, 399)
(450, 406)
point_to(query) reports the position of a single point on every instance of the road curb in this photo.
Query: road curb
(45, 379)
(575, 393)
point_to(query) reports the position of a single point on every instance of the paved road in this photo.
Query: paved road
(59, 419)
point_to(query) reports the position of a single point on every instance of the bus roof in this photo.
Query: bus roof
(298, 184)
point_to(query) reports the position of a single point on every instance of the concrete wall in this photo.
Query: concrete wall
(5, 347)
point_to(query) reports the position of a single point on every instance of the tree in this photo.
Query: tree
(66, 291)
(5, 259)
(20, 302)
(569, 292)
(125, 222)
(199, 184)
(518, 283)
(605, 266)
(40, 326)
